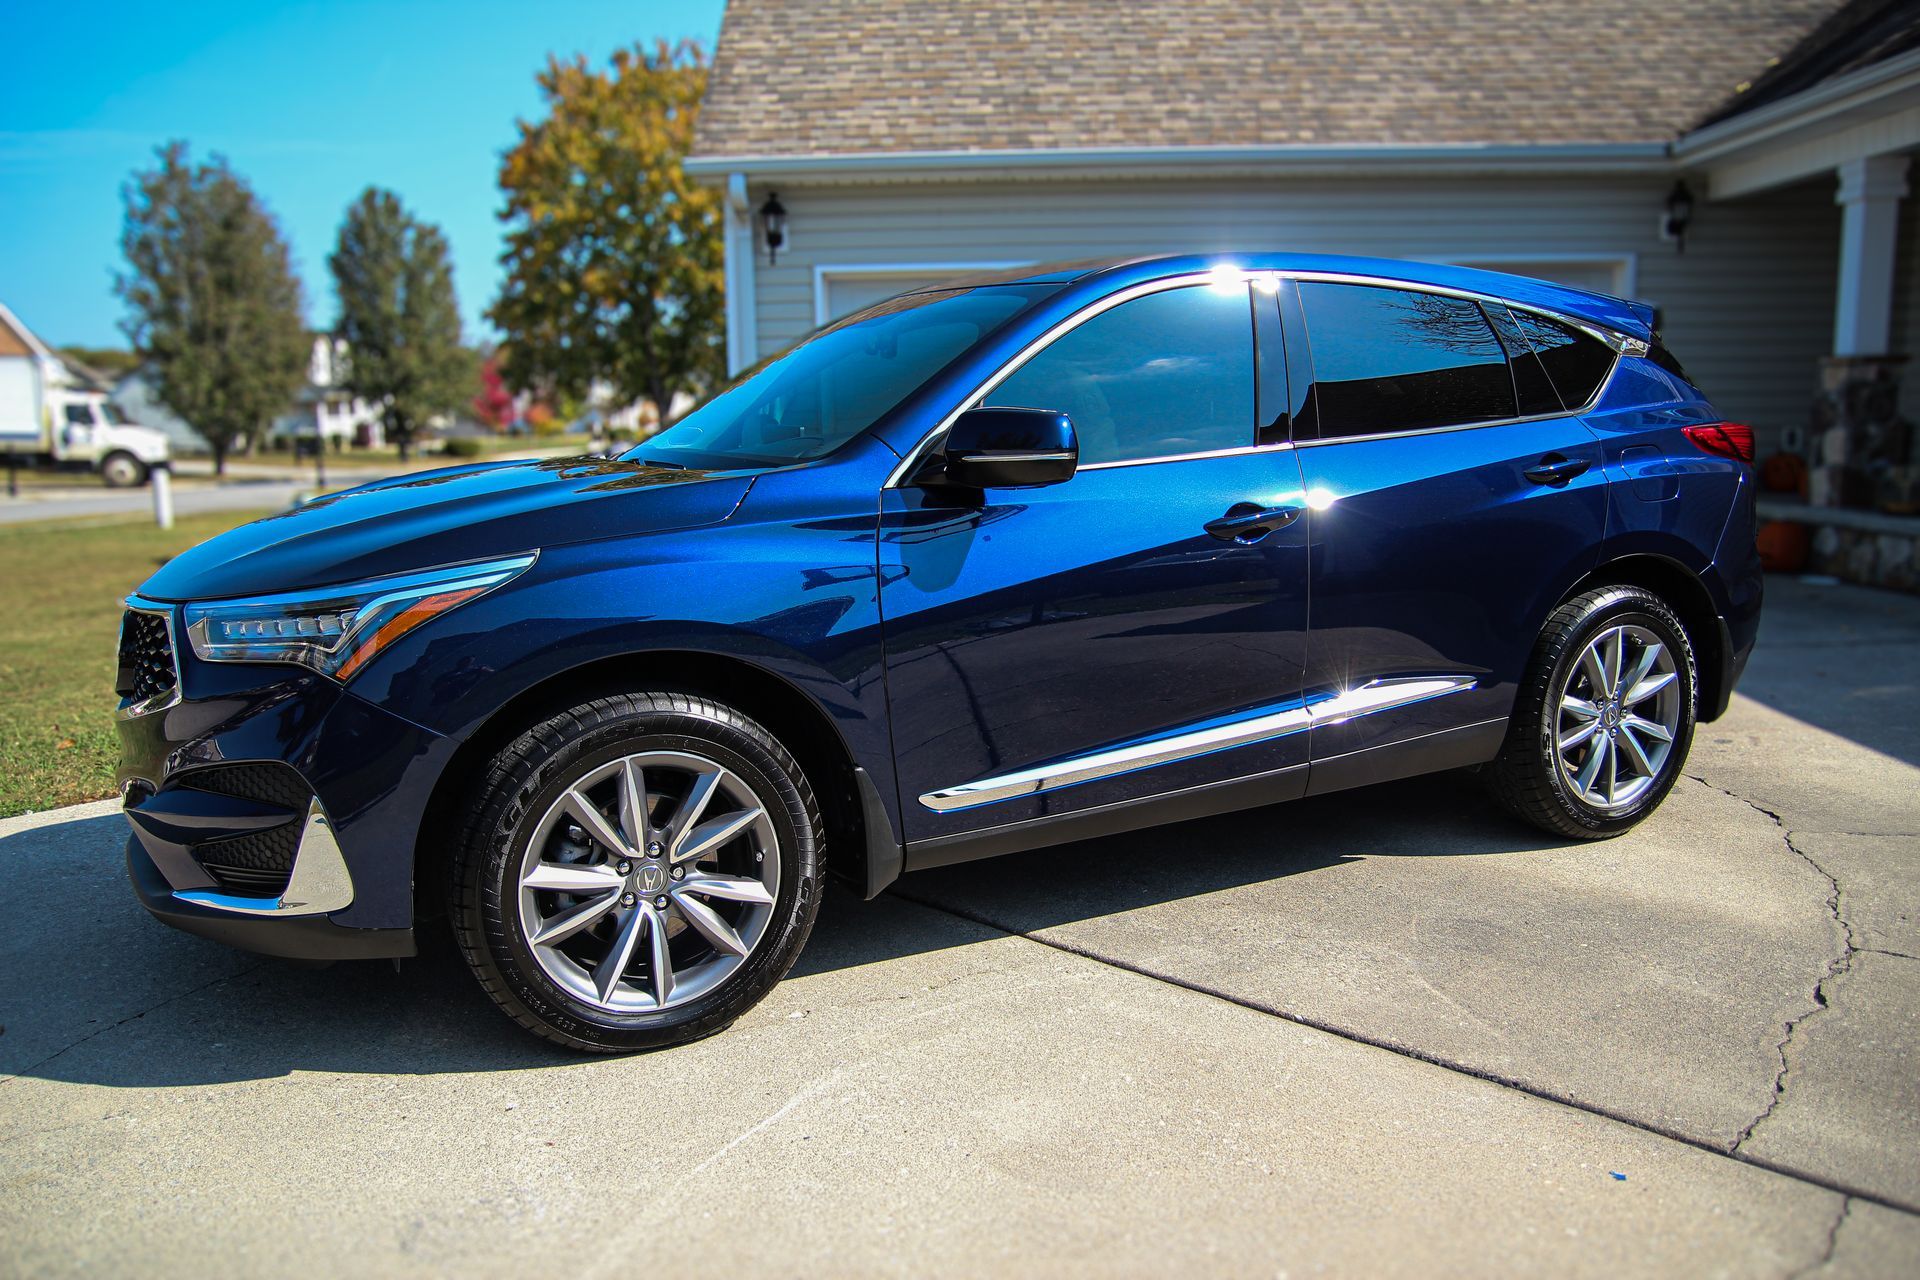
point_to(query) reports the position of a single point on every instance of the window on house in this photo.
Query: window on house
(1575, 360)
(1166, 374)
(1398, 360)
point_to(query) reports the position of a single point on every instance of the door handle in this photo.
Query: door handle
(1247, 522)
(1556, 469)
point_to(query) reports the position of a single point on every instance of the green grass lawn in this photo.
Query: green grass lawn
(58, 633)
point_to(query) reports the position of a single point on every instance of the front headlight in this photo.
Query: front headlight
(338, 630)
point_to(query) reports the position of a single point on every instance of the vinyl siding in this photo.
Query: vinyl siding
(1748, 307)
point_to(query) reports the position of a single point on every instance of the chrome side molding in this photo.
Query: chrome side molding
(1259, 725)
(320, 882)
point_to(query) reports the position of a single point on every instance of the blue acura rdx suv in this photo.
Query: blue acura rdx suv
(1014, 561)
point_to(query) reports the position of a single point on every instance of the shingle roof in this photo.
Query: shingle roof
(1862, 33)
(814, 77)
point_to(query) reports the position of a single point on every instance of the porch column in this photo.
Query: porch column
(1869, 197)
(1861, 446)
(737, 244)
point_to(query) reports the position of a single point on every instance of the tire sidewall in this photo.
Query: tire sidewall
(1629, 606)
(547, 773)
(135, 471)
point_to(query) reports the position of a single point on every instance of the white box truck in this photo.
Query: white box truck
(52, 416)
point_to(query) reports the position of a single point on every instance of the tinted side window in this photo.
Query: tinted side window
(1577, 362)
(1165, 374)
(1398, 360)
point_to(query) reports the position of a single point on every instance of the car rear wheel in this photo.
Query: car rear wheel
(1604, 717)
(638, 871)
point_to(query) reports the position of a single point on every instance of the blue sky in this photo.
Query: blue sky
(310, 102)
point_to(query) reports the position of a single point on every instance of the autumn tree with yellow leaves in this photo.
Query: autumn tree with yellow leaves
(613, 255)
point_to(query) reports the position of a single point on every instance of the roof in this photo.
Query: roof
(1107, 274)
(1860, 34)
(868, 77)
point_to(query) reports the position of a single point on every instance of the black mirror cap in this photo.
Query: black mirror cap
(1005, 449)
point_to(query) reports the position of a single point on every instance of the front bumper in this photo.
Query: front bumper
(273, 810)
(292, 937)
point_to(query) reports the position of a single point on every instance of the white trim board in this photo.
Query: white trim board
(823, 272)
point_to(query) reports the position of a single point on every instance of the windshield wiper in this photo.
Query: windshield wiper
(666, 466)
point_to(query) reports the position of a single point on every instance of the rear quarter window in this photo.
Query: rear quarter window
(1575, 361)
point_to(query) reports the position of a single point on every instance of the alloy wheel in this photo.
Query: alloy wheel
(649, 881)
(1619, 712)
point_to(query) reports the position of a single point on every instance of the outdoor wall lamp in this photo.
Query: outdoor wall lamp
(773, 226)
(1679, 214)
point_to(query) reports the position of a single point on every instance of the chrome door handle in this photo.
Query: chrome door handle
(1556, 469)
(1247, 523)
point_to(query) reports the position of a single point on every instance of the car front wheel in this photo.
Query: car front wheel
(122, 471)
(1604, 717)
(638, 871)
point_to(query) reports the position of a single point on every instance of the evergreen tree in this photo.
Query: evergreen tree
(216, 308)
(398, 316)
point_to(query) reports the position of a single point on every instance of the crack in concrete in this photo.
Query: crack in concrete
(1837, 967)
(1825, 1259)
(30, 1068)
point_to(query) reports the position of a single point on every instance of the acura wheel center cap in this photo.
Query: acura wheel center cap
(650, 878)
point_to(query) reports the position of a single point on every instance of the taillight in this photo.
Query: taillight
(1728, 439)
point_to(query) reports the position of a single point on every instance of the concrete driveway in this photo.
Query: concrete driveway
(1388, 1032)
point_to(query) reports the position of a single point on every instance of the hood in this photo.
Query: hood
(475, 512)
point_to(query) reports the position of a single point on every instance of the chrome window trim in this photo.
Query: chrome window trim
(1242, 451)
(1620, 344)
(159, 701)
(1262, 724)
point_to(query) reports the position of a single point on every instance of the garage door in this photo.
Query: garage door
(845, 293)
(1601, 275)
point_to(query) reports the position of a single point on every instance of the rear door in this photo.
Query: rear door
(1454, 498)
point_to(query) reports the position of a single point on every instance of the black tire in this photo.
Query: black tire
(1527, 777)
(121, 470)
(527, 776)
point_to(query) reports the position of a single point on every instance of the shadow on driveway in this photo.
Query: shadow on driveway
(84, 960)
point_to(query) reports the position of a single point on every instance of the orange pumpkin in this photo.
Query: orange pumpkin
(1783, 546)
(1784, 473)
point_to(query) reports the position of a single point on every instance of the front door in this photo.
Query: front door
(1057, 649)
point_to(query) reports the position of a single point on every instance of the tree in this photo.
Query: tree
(494, 404)
(613, 255)
(216, 308)
(398, 316)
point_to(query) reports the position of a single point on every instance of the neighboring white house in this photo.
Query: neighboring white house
(325, 408)
(913, 143)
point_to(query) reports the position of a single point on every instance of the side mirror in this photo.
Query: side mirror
(1004, 449)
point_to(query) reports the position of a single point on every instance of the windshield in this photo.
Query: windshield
(826, 389)
(114, 415)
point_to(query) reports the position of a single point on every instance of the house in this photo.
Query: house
(140, 400)
(325, 409)
(1742, 165)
